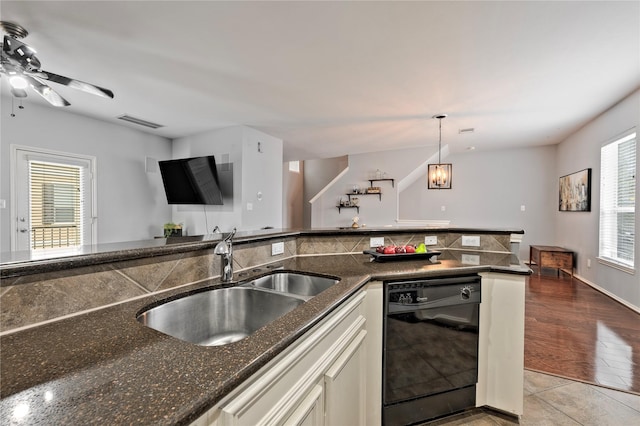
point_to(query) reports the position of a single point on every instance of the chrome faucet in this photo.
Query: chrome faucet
(225, 249)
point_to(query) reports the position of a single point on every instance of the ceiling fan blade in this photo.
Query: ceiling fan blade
(47, 92)
(76, 84)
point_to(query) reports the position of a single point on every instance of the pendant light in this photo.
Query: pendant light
(439, 175)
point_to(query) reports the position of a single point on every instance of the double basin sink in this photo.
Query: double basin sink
(215, 317)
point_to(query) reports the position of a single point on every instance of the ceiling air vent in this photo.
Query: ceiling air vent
(139, 121)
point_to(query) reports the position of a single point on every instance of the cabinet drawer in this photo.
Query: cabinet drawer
(550, 259)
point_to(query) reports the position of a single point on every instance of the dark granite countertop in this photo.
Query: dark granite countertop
(105, 367)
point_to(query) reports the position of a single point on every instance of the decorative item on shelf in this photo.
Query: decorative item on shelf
(356, 189)
(439, 175)
(378, 174)
(172, 230)
(374, 190)
(355, 220)
(354, 201)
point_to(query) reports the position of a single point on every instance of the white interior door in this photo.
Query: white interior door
(53, 200)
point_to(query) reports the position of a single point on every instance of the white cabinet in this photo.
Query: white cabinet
(310, 411)
(321, 376)
(501, 343)
(332, 375)
(345, 386)
(373, 353)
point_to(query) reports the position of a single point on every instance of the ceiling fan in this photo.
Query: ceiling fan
(20, 65)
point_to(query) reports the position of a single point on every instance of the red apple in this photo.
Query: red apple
(389, 250)
(380, 249)
(400, 249)
(410, 249)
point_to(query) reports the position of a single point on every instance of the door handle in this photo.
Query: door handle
(24, 230)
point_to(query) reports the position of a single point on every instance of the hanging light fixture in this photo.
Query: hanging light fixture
(439, 175)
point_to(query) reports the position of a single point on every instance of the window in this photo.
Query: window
(618, 201)
(56, 210)
(294, 166)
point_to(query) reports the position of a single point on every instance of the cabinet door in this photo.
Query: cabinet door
(310, 410)
(274, 395)
(345, 386)
(501, 345)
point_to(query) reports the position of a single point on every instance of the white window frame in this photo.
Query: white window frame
(603, 258)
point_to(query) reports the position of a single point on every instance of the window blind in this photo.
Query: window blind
(55, 194)
(618, 200)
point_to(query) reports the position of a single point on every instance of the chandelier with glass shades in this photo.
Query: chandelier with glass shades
(439, 175)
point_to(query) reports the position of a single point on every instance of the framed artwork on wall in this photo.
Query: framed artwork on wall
(575, 192)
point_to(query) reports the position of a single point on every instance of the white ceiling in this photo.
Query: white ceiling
(335, 78)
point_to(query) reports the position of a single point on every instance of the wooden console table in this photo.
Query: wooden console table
(551, 257)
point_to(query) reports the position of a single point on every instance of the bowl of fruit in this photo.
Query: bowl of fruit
(400, 252)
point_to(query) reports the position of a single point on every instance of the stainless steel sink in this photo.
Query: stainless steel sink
(220, 316)
(294, 283)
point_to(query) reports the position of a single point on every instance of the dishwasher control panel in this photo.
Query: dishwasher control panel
(426, 293)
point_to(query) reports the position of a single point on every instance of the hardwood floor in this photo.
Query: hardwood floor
(574, 331)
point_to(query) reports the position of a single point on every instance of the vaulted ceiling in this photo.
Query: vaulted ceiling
(334, 78)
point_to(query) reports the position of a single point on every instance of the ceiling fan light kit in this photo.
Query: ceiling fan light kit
(20, 65)
(18, 82)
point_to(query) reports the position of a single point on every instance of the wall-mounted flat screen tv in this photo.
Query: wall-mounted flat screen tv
(191, 181)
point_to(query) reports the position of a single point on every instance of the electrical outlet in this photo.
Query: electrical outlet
(431, 240)
(523, 208)
(443, 208)
(376, 241)
(277, 248)
(471, 240)
(470, 259)
(249, 206)
(588, 263)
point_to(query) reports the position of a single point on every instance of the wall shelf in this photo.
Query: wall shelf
(353, 194)
(393, 181)
(349, 207)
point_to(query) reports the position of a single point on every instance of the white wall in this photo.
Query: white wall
(579, 231)
(317, 175)
(253, 172)
(488, 189)
(292, 196)
(373, 212)
(262, 174)
(131, 203)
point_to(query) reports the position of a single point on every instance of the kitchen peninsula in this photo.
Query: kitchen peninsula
(95, 363)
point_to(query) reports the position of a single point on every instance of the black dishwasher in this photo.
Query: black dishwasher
(430, 358)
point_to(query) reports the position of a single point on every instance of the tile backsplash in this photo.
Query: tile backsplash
(33, 299)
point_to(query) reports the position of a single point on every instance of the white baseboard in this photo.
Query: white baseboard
(608, 293)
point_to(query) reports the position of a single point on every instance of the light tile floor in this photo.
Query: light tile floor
(554, 401)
